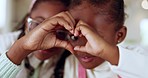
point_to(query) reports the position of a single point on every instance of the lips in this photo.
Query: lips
(86, 58)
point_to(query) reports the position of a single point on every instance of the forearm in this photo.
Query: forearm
(17, 53)
(111, 54)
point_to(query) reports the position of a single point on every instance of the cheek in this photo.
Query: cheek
(110, 38)
(108, 34)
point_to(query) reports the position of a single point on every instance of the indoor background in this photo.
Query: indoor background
(12, 11)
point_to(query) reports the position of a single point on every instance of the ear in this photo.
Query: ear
(121, 34)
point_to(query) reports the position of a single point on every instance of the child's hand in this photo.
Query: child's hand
(95, 45)
(44, 37)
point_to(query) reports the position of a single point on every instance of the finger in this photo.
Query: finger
(89, 33)
(85, 28)
(86, 32)
(80, 48)
(77, 30)
(73, 20)
(81, 28)
(64, 44)
(65, 16)
(50, 24)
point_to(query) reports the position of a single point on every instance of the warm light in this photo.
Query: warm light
(144, 4)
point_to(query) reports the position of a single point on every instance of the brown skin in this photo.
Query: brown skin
(101, 40)
(104, 29)
(41, 37)
(43, 11)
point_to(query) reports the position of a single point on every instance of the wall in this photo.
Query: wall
(135, 13)
(7, 20)
(10, 15)
(21, 8)
(15, 11)
(3, 12)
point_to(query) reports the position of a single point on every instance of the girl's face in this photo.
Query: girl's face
(39, 14)
(106, 30)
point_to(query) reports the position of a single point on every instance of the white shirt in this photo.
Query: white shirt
(47, 69)
(6, 40)
(133, 62)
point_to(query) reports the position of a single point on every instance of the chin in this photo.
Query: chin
(88, 66)
(91, 65)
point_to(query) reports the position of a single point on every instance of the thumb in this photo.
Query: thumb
(80, 48)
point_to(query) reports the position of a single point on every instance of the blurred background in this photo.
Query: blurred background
(13, 11)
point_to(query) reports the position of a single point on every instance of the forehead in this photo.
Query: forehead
(47, 9)
(89, 14)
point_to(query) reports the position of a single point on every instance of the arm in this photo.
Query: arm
(7, 68)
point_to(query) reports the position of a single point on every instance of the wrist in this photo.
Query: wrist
(17, 53)
(111, 54)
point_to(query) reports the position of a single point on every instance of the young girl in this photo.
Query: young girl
(41, 63)
(99, 30)
(97, 21)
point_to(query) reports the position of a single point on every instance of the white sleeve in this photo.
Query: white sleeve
(7, 68)
(133, 63)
